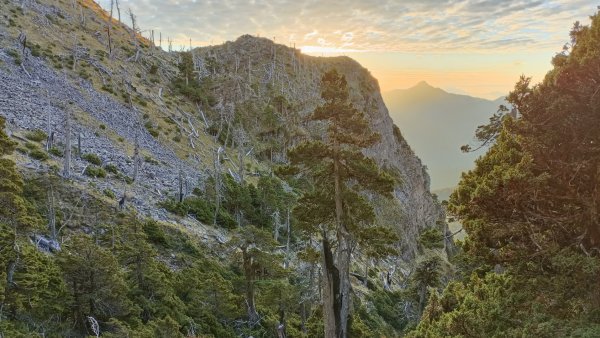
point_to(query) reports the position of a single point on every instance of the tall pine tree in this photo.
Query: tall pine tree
(337, 208)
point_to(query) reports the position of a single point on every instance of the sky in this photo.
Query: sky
(475, 47)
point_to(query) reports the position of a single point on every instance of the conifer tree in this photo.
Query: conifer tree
(256, 255)
(17, 219)
(530, 209)
(97, 286)
(340, 172)
(149, 280)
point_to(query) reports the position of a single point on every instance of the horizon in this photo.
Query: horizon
(448, 44)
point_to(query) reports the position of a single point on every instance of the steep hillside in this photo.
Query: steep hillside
(437, 124)
(112, 130)
(269, 88)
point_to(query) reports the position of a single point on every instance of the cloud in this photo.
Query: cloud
(369, 25)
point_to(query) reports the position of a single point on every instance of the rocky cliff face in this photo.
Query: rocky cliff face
(248, 79)
(286, 72)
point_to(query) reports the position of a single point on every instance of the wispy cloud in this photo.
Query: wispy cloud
(370, 25)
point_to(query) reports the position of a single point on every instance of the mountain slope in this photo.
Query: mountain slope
(436, 124)
(246, 77)
(141, 138)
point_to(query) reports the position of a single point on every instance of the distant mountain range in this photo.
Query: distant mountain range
(436, 123)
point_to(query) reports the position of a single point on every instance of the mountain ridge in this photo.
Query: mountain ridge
(422, 111)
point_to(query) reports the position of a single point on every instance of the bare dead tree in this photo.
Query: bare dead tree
(51, 213)
(217, 178)
(49, 131)
(67, 159)
(79, 145)
(276, 224)
(134, 35)
(118, 10)
(136, 157)
(94, 326)
(109, 40)
(288, 227)
(23, 42)
(202, 115)
(241, 139)
(226, 115)
(81, 16)
(180, 178)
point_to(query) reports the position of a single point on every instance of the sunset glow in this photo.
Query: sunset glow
(474, 47)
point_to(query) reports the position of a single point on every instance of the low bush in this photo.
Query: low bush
(38, 154)
(36, 135)
(92, 158)
(95, 171)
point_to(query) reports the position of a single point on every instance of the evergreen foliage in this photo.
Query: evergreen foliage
(335, 208)
(530, 212)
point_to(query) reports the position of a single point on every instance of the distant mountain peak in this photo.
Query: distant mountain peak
(423, 84)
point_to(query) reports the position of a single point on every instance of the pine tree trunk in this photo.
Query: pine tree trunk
(343, 252)
(330, 287)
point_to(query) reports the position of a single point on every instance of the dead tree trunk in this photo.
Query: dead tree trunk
(51, 213)
(118, 10)
(49, 131)
(287, 242)
(180, 197)
(249, 274)
(217, 177)
(136, 157)
(79, 145)
(134, 33)
(276, 225)
(67, 160)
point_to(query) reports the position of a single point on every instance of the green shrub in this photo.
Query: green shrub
(109, 193)
(155, 233)
(95, 171)
(150, 160)
(12, 53)
(36, 135)
(31, 146)
(153, 132)
(111, 168)
(201, 210)
(56, 152)
(38, 154)
(107, 88)
(92, 158)
(432, 239)
(174, 207)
